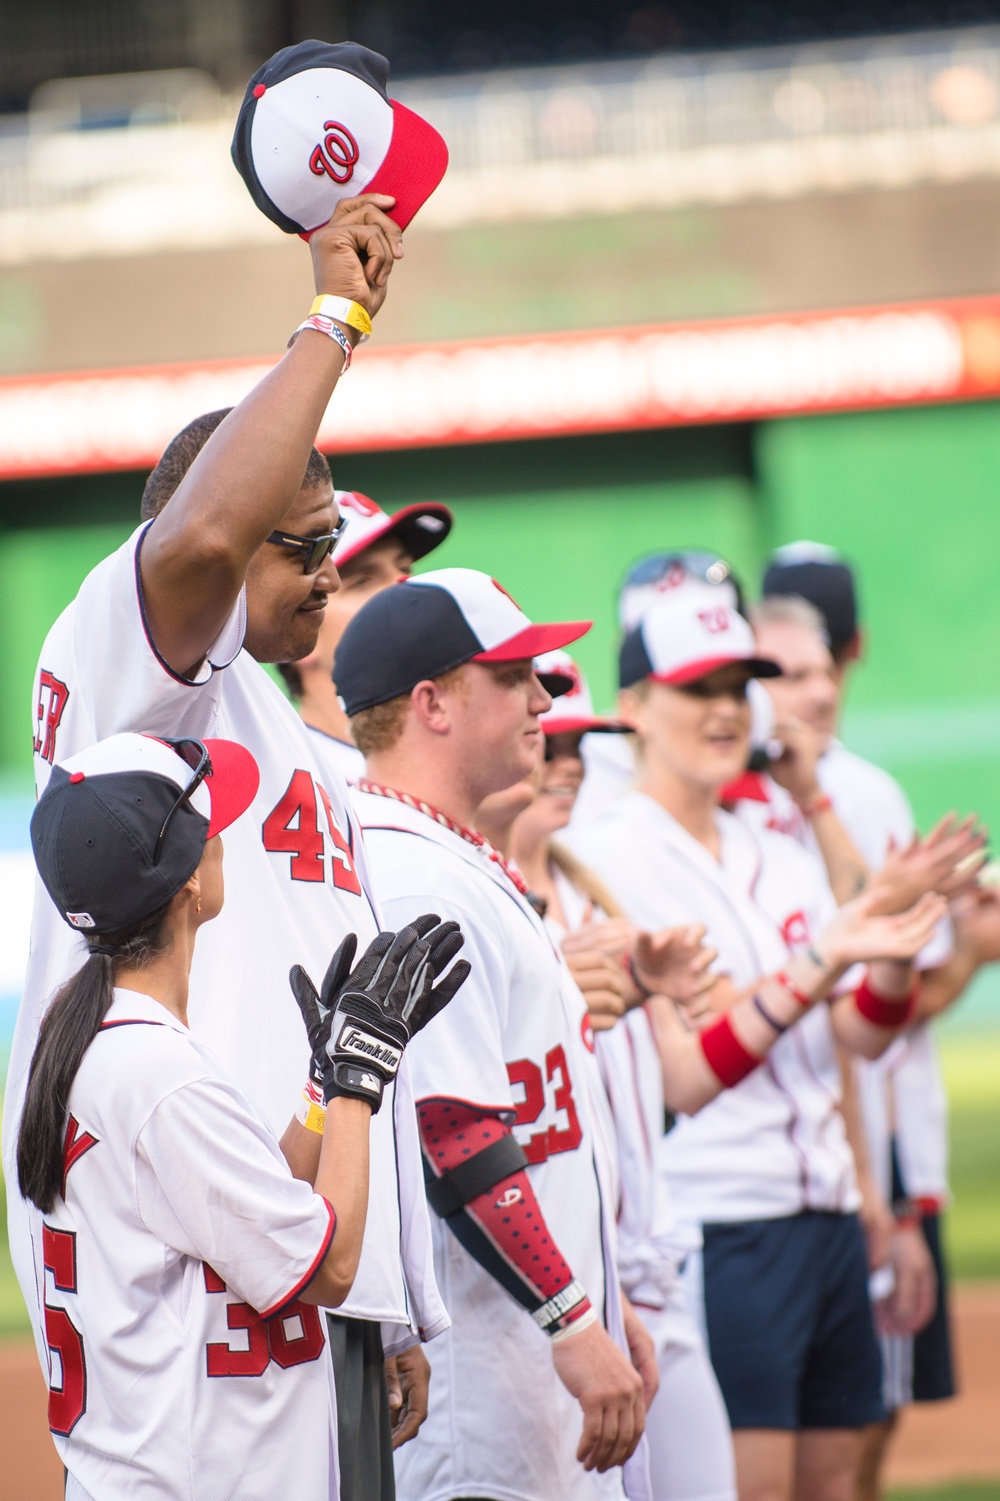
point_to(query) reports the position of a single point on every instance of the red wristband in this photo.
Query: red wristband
(725, 1055)
(810, 806)
(884, 1011)
(796, 994)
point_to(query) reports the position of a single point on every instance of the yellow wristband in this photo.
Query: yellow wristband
(344, 311)
(311, 1115)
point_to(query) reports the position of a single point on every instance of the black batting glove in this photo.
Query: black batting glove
(362, 1019)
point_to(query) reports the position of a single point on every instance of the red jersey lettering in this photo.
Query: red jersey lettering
(53, 696)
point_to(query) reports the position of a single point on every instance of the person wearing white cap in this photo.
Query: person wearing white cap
(534, 1393)
(610, 759)
(230, 570)
(764, 1171)
(376, 550)
(810, 621)
(162, 1212)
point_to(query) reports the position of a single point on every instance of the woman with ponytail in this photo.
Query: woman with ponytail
(175, 1253)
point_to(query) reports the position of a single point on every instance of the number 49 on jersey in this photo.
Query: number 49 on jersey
(293, 828)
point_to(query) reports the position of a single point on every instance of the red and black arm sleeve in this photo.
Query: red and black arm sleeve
(501, 1225)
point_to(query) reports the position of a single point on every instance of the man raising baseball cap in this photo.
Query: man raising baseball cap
(375, 551)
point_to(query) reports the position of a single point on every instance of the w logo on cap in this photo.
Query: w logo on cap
(317, 124)
(715, 621)
(353, 500)
(337, 155)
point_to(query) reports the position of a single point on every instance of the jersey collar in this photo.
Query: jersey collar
(133, 1005)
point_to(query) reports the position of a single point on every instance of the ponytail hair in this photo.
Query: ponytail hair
(70, 1026)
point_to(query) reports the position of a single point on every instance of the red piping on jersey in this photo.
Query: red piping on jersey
(793, 1141)
(141, 602)
(304, 1282)
(768, 1063)
(805, 1059)
(130, 1021)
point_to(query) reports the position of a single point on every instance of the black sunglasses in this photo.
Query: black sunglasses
(707, 687)
(195, 755)
(314, 550)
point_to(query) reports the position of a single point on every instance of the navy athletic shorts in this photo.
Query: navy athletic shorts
(789, 1322)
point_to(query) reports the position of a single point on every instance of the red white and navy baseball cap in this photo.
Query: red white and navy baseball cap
(573, 711)
(317, 125)
(431, 623)
(686, 635)
(662, 573)
(122, 825)
(420, 528)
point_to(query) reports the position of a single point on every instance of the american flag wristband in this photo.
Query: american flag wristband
(323, 325)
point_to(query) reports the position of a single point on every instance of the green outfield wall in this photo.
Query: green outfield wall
(911, 496)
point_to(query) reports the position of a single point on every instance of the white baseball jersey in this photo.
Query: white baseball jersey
(609, 764)
(501, 1424)
(296, 883)
(341, 754)
(874, 808)
(651, 1242)
(180, 1232)
(687, 1428)
(902, 1092)
(775, 1144)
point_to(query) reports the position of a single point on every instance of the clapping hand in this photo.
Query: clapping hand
(860, 932)
(946, 860)
(361, 1019)
(675, 962)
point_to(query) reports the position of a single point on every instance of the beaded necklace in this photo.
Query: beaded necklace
(470, 836)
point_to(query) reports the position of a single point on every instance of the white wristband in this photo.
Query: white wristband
(583, 1322)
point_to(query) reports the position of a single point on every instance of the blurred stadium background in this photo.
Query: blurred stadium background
(700, 273)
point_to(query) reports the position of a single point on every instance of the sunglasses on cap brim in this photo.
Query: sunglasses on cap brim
(195, 755)
(707, 566)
